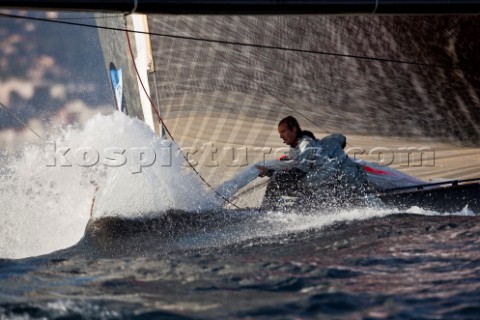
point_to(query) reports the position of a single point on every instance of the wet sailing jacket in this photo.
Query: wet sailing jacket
(327, 167)
(333, 171)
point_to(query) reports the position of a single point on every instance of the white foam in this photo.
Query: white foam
(43, 208)
(165, 184)
(46, 207)
(277, 223)
(417, 210)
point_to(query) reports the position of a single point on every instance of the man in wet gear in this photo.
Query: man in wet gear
(316, 172)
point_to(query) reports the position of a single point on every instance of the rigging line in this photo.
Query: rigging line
(20, 120)
(233, 43)
(252, 189)
(88, 16)
(306, 118)
(318, 126)
(234, 199)
(375, 8)
(166, 128)
(230, 201)
(237, 197)
(135, 5)
(102, 17)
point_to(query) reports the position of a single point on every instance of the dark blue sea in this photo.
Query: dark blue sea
(400, 266)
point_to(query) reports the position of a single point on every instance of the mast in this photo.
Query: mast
(144, 65)
(254, 6)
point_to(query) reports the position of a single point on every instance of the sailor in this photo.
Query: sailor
(285, 175)
(315, 170)
(334, 176)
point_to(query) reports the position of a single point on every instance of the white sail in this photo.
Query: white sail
(404, 99)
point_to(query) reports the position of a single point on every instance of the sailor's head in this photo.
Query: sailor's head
(289, 130)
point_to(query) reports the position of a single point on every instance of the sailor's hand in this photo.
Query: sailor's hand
(263, 171)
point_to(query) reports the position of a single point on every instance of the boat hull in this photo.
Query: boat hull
(449, 199)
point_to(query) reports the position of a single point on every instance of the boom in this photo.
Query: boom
(254, 6)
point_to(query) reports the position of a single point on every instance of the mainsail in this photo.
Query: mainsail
(404, 89)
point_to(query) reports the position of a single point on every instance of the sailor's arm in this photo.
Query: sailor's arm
(303, 160)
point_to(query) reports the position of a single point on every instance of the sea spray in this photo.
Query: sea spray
(47, 189)
(268, 226)
(154, 177)
(43, 208)
(263, 226)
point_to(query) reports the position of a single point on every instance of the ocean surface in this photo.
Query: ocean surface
(86, 235)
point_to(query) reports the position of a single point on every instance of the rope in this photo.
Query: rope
(19, 120)
(135, 5)
(166, 128)
(233, 43)
(375, 8)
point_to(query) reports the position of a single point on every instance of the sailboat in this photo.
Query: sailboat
(217, 76)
